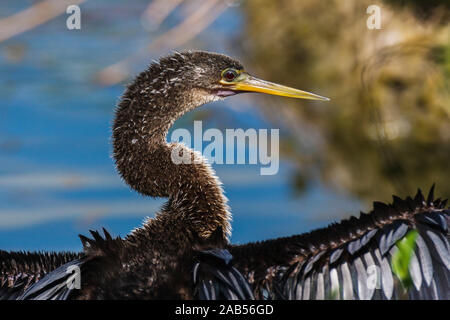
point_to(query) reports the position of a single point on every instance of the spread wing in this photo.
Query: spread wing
(50, 275)
(21, 272)
(352, 259)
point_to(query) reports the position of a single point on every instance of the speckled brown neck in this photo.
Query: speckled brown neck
(143, 158)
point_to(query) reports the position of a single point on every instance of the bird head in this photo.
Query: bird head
(220, 76)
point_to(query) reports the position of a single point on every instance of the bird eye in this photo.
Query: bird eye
(229, 75)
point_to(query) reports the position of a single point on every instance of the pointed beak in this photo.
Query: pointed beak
(248, 83)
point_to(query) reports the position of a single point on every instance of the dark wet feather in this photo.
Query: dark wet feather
(20, 270)
(215, 278)
(347, 283)
(434, 219)
(414, 270)
(320, 291)
(425, 260)
(437, 245)
(54, 286)
(334, 256)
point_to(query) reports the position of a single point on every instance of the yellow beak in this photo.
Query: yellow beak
(248, 83)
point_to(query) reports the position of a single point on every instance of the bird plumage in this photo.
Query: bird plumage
(21, 270)
(344, 260)
(184, 253)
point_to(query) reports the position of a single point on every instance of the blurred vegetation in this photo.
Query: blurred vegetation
(386, 129)
(401, 260)
(424, 9)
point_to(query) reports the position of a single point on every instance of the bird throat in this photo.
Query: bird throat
(144, 160)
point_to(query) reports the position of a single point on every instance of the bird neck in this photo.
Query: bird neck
(145, 161)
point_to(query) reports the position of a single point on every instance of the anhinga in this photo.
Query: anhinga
(184, 253)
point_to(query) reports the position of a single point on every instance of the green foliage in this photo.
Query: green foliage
(332, 295)
(402, 258)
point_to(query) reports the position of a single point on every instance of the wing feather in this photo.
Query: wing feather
(215, 278)
(339, 261)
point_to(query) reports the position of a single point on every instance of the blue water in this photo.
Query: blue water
(57, 178)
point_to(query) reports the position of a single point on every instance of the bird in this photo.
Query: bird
(184, 252)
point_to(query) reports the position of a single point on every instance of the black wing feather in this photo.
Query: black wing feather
(56, 285)
(214, 277)
(19, 271)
